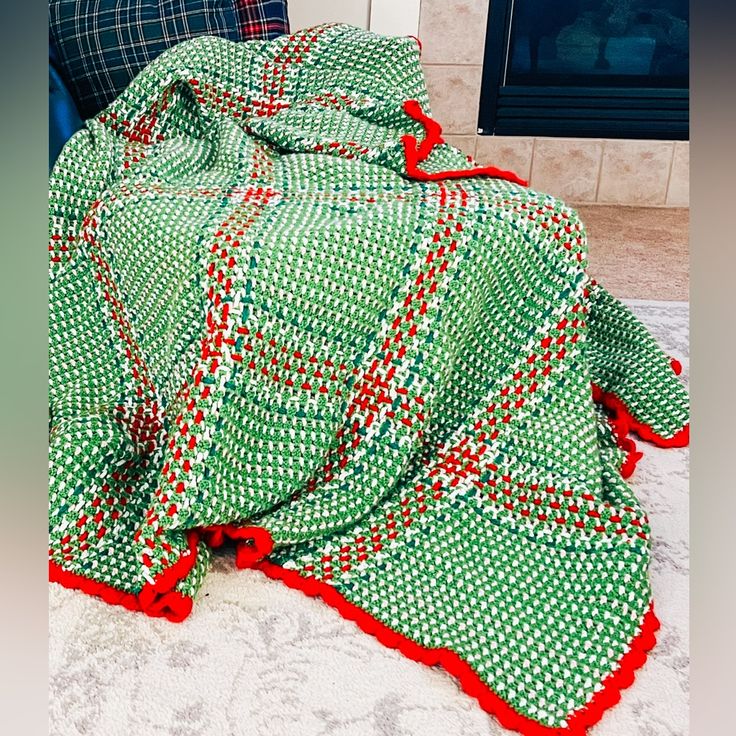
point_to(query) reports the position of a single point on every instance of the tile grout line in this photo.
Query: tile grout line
(669, 174)
(600, 170)
(654, 302)
(455, 63)
(531, 159)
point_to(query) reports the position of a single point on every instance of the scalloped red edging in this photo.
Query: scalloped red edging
(623, 423)
(159, 600)
(253, 543)
(626, 423)
(172, 605)
(620, 429)
(417, 152)
(470, 682)
(632, 454)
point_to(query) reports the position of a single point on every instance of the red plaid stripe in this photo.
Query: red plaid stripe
(264, 19)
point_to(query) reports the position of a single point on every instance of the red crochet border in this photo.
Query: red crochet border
(627, 445)
(253, 543)
(624, 423)
(417, 152)
(159, 599)
(172, 605)
(681, 438)
(470, 682)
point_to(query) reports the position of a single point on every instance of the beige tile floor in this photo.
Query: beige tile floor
(639, 252)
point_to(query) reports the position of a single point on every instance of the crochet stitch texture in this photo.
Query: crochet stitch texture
(284, 312)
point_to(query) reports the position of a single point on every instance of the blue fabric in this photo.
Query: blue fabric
(103, 44)
(64, 118)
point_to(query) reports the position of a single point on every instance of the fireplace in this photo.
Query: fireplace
(586, 68)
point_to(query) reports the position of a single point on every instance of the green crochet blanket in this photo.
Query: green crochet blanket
(284, 314)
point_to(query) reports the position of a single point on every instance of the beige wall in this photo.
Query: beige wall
(303, 13)
(578, 169)
(389, 17)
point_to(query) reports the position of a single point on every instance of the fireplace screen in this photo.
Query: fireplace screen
(602, 68)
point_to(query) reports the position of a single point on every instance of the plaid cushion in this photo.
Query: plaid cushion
(103, 44)
(262, 18)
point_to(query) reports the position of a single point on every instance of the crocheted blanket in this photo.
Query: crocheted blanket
(284, 314)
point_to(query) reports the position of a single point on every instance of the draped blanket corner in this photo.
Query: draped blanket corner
(285, 314)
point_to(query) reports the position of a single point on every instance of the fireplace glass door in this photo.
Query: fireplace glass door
(602, 68)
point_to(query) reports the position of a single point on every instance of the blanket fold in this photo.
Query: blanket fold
(285, 314)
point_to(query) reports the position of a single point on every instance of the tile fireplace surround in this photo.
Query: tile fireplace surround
(580, 170)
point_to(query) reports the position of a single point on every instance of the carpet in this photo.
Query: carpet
(256, 658)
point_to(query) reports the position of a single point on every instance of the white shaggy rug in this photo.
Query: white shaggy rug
(258, 659)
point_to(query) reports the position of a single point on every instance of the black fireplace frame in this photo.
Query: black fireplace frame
(580, 112)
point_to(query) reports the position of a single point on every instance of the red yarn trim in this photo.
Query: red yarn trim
(632, 456)
(253, 543)
(618, 680)
(419, 43)
(159, 599)
(623, 422)
(627, 423)
(172, 605)
(470, 682)
(620, 428)
(416, 153)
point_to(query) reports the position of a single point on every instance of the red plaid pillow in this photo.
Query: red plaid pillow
(262, 18)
